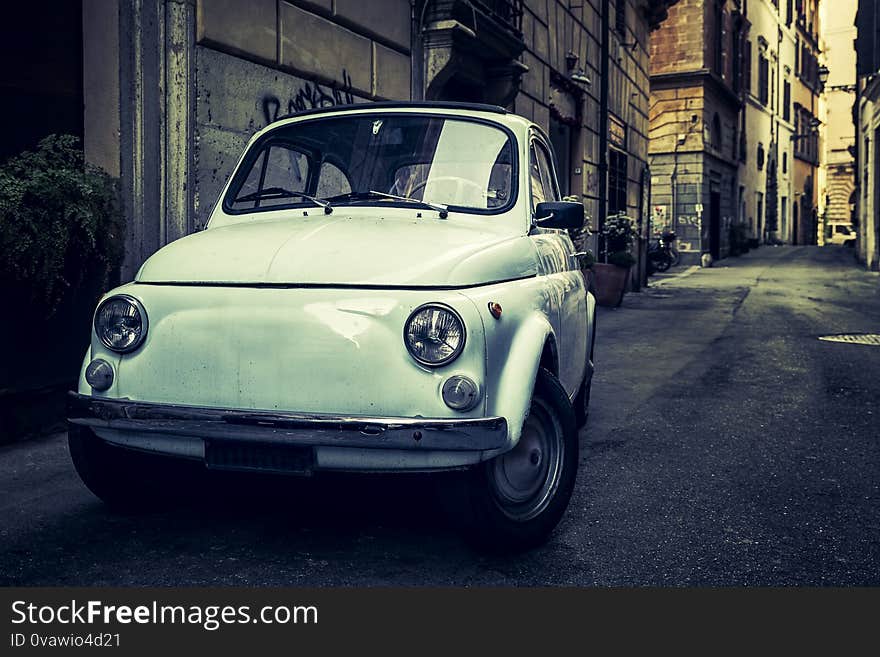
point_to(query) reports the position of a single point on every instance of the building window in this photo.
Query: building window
(616, 182)
(785, 163)
(788, 12)
(561, 140)
(760, 160)
(763, 79)
(786, 100)
(737, 57)
(718, 60)
(747, 68)
(716, 131)
(806, 143)
(620, 17)
(773, 100)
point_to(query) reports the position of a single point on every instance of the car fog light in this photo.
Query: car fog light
(99, 374)
(460, 393)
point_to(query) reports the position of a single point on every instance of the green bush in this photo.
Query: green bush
(621, 259)
(620, 232)
(59, 224)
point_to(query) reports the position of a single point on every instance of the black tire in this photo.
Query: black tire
(513, 502)
(125, 480)
(663, 264)
(582, 400)
(674, 257)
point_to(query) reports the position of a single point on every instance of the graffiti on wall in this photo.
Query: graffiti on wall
(310, 95)
(592, 184)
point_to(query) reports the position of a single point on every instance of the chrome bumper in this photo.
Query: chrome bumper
(440, 434)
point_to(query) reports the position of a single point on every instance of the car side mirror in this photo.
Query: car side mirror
(559, 214)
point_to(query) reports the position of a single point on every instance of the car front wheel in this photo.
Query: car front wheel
(124, 480)
(514, 501)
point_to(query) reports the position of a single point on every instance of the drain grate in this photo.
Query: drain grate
(872, 339)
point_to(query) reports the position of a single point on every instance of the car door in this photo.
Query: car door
(565, 290)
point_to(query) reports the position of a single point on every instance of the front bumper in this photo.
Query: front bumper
(149, 426)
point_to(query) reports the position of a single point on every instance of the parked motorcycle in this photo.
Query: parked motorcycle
(661, 254)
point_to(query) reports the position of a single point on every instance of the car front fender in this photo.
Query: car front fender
(515, 380)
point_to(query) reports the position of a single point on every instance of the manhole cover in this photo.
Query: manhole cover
(872, 339)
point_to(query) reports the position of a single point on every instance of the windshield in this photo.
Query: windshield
(466, 165)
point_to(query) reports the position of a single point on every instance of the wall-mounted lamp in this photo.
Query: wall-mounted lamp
(571, 58)
(823, 74)
(581, 77)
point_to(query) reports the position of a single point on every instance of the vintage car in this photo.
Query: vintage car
(381, 287)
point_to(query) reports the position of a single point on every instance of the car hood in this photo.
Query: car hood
(344, 250)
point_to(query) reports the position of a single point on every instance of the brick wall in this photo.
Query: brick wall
(678, 44)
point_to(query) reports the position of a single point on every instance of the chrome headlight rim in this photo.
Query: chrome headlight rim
(145, 323)
(455, 354)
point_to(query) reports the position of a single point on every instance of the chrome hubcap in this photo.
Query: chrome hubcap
(525, 479)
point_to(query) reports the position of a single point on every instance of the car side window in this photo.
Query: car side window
(543, 183)
(537, 184)
(551, 188)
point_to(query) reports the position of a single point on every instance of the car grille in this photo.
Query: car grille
(259, 457)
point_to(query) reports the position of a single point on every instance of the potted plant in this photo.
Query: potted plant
(611, 276)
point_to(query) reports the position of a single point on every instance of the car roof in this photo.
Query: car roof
(395, 104)
(493, 113)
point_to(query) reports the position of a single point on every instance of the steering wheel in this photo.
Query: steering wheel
(459, 187)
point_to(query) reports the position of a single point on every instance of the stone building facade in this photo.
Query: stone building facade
(166, 93)
(696, 124)
(867, 143)
(806, 92)
(766, 172)
(837, 193)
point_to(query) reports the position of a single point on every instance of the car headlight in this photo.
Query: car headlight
(434, 334)
(121, 323)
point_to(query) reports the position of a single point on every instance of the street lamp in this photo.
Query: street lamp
(823, 75)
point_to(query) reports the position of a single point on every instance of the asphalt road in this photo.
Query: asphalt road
(727, 446)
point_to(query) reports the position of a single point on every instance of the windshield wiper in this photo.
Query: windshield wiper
(280, 192)
(434, 206)
(363, 196)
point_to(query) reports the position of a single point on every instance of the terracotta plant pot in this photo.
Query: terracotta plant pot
(610, 282)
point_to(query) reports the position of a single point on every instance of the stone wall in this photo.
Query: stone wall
(235, 98)
(694, 129)
(551, 30)
(363, 47)
(258, 61)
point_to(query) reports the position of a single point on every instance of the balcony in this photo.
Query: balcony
(472, 48)
(504, 12)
